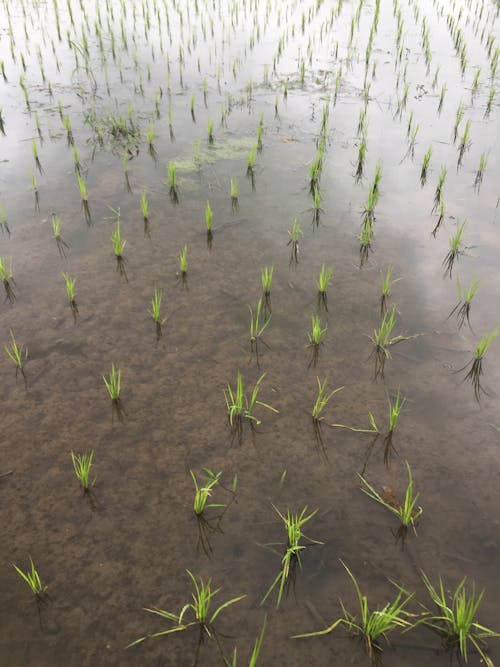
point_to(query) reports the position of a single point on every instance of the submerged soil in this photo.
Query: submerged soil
(126, 547)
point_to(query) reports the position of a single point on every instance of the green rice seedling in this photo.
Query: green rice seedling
(407, 511)
(293, 523)
(383, 339)
(144, 206)
(489, 103)
(465, 142)
(82, 187)
(318, 333)
(317, 201)
(371, 625)
(294, 235)
(255, 652)
(462, 309)
(118, 243)
(322, 399)
(476, 364)
(208, 218)
(456, 249)
(155, 311)
(172, 182)
(387, 283)
(322, 283)
(35, 156)
(483, 161)
(438, 195)
(316, 167)
(18, 354)
(425, 166)
(70, 291)
(56, 233)
(4, 225)
(267, 279)
(69, 131)
(361, 160)
(475, 82)
(441, 98)
(365, 241)
(239, 407)
(203, 493)
(257, 327)
(210, 130)
(395, 410)
(113, 384)
(6, 274)
(32, 578)
(454, 619)
(459, 114)
(76, 159)
(183, 263)
(200, 611)
(442, 211)
(260, 134)
(234, 194)
(150, 137)
(2, 69)
(82, 463)
(2, 123)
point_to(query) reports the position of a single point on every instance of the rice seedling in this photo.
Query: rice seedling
(113, 384)
(255, 652)
(442, 211)
(361, 160)
(144, 206)
(183, 263)
(18, 354)
(203, 493)
(56, 233)
(454, 619)
(7, 278)
(257, 327)
(365, 241)
(465, 142)
(483, 161)
(294, 235)
(438, 195)
(425, 166)
(476, 364)
(32, 578)
(462, 309)
(82, 463)
(441, 98)
(35, 156)
(70, 288)
(234, 194)
(475, 82)
(293, 523)
(69, 131)
(317, 200)
(200, 611)
(407, 511)
(456, 249)
(34, 186)
(4, 225)
(251, 164)
(383, 339)
(238, 405)
(459, 114)
(318, 332)
(387, 283)
(266, 275)
(118, 243)
(371, 625)
(260, 132)
(2, 123)
(489, 103)
(210, 130)
(322, 283)
(322, 399)
(172, 182)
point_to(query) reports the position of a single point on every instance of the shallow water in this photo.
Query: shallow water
(105, 558)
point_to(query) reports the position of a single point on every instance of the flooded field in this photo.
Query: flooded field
(250, 250)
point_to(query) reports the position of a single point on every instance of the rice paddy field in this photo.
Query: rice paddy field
(249, 254)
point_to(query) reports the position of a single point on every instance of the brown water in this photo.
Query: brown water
(106, 558)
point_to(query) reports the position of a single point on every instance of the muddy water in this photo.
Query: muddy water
(128, 547)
